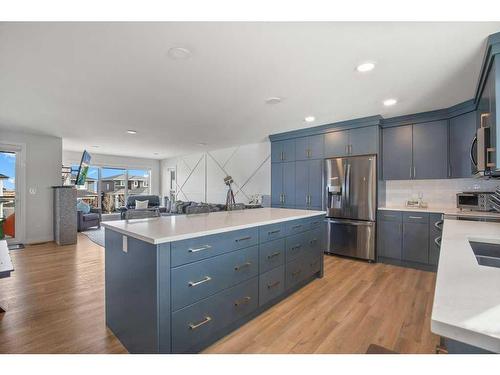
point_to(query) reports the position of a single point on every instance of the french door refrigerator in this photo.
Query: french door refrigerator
(351, 200)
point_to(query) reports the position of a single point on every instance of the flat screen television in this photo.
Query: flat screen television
(81, 177)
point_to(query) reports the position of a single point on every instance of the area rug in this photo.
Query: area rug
(95, 235)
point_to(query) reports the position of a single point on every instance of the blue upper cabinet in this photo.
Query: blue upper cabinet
(430, 150)
(309, 147)
(356, 141)
(336, 143)
(309, 184)
(282, 151)
(397, 153)
(461, 133)
(363, 141)
(283, 185)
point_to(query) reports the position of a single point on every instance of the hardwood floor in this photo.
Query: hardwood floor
(55, 302)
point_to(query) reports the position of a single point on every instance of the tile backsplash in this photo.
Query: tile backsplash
(440, 193)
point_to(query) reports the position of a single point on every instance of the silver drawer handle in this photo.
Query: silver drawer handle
(296, 247)
(385, 215)
(244, 265)
(243, 238)
(204, 280)
(313, 241)
(193, 326)
(204, 247)
(274, 231)
(273, 255)
(415, 217)
(296, 273)
(315, 222)
(244, 301)
(438, 224)
(273, 285)
(296, 226)
(437, 241)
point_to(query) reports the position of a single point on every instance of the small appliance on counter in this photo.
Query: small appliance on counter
(475, 200)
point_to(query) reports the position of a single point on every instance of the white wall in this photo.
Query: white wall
(100, 160)
(200, 176)
(437, 193)
(41, 167)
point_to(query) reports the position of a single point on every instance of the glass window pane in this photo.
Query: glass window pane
(88, 192)
(139, 182)
(112, 189)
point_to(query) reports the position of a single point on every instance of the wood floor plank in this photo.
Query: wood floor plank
(55, 301)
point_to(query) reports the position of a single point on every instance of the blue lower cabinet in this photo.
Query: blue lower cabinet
(296, 245)
(195, 281)
(271, 255)
(313, 264)
(297, 226)
(271, 285)
(195, 325)
(295, 272)
(271, 232)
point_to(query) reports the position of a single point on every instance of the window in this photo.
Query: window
(139, 181)
(88, 192)
(113, 192)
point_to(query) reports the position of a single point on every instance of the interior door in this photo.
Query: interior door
(10, 213)
(361, 185)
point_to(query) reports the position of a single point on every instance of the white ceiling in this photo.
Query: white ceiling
(90, 82)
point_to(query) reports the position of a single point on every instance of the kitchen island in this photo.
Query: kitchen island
(177, 284)
(466, 309)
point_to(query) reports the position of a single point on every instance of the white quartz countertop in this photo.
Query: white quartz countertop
(181, 227)
(467, 297)
(443, 210)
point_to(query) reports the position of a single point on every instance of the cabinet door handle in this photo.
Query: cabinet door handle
(193, 326)
(273, 285)
(414, 172)
(271, 256)
(284, 198)
(415, 217)
(297, 226)
(241, 266)
(202, 281)
(274, 231)
(296, 247)
(243, 238)
(195, 250)
(243, 301)
(282, 155)
(313, 241)
(411, 170)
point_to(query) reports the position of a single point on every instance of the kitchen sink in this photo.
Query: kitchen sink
(487, 253)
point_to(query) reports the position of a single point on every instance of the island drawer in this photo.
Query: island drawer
(271, 232)
(297, 226)
(296, 245)
(195, 281)
(316, 222)
(271, 254)
(194, 249)
(271, 285)
(192, 326)
(416, 217)
(295, 271)
(385, 215)
(313, 264)
(317, 241)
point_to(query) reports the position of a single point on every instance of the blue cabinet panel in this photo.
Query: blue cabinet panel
(195, 281)
(336, 143)
(430, 150)
(302, 148)
(296, 245)
(295, 272)
(271, 285)
(311, 147)
(301, 184)
(289, 184)
(277, 185)
(271, 232)
(194, 249)
(195, 324)
(364, 141)
(397, 153)
(462, 132)
(389, 239)
(296, 226)
(315, 183)
(282, 151)
(271, 255)
(415, 242)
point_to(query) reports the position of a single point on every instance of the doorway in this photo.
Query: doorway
(10, 213)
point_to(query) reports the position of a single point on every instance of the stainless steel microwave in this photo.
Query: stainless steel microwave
(475, 201)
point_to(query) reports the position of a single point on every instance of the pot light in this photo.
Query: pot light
(390, 102)
(131, 131)
(365, 67)
(310, 118)
(179, 53)
(273, 100)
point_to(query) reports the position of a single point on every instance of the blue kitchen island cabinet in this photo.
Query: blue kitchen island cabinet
(177, 284)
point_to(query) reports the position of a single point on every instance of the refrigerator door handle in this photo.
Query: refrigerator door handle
(348, 186)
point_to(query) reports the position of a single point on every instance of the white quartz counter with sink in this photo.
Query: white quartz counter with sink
(467, 297)
(181, 227)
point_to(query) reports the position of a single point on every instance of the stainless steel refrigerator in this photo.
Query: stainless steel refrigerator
(351, 205)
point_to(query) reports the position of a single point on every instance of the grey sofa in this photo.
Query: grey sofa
(153, 205)
(86, 221)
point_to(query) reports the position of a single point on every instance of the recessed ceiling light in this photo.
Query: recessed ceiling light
(389, 102)
(132, 131)
(273, 100)
(179, 53)
(365, 67)
(310, 118)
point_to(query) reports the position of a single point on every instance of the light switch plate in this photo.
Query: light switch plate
(125, 244)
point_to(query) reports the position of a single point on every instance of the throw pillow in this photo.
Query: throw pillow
(83, 207)
(141, 205)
